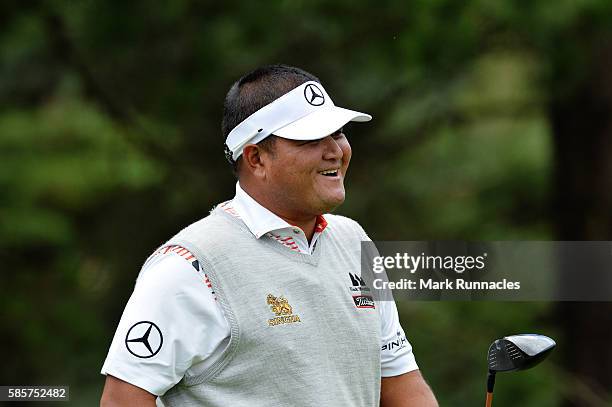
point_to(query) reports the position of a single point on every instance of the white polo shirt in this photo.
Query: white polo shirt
(174, 292)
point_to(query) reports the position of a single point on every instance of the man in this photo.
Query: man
(262, 302)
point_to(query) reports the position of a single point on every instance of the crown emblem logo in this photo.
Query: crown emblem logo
(280, 305)
(283, 311)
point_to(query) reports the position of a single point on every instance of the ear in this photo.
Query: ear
(254, 160)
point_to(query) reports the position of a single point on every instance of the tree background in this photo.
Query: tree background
(491, 122)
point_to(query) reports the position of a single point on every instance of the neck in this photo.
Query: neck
(306, 222)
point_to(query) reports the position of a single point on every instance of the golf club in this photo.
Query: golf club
(513, 353)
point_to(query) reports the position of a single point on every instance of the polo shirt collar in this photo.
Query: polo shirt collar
(261, 220)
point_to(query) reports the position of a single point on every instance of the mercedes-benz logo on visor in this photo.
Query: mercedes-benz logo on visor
(314, 95)
(144, 339)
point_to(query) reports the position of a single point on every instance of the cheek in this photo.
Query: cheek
(289, 174)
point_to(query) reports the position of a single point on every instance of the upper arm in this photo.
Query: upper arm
(157, 342)
(118, 393)
(406, 390)
(396, 355)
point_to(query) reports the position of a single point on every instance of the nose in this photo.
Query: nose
(332, 150)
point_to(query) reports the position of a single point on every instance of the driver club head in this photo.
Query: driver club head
(518, 352)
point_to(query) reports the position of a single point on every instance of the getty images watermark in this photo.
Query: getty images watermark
(506, 271)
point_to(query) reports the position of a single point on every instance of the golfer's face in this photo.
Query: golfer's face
(309, 175)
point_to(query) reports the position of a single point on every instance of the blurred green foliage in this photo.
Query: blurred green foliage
(110, 142)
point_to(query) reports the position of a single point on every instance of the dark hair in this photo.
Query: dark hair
(255, 90)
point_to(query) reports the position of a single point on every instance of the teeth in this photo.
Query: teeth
(328, 172)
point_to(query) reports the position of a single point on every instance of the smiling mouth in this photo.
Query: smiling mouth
(329, 173)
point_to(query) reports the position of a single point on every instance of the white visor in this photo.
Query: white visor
(305, 113)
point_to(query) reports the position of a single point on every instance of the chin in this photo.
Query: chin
(330, 204)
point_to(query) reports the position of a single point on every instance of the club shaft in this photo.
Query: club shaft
(490, 382)
(490, 385)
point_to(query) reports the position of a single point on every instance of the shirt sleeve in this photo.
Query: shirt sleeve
(171, 322)
(396, 355)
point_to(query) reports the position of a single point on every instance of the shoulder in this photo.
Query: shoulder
(216, 231)
(168, 270)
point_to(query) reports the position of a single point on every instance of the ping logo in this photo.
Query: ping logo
(398, 343)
